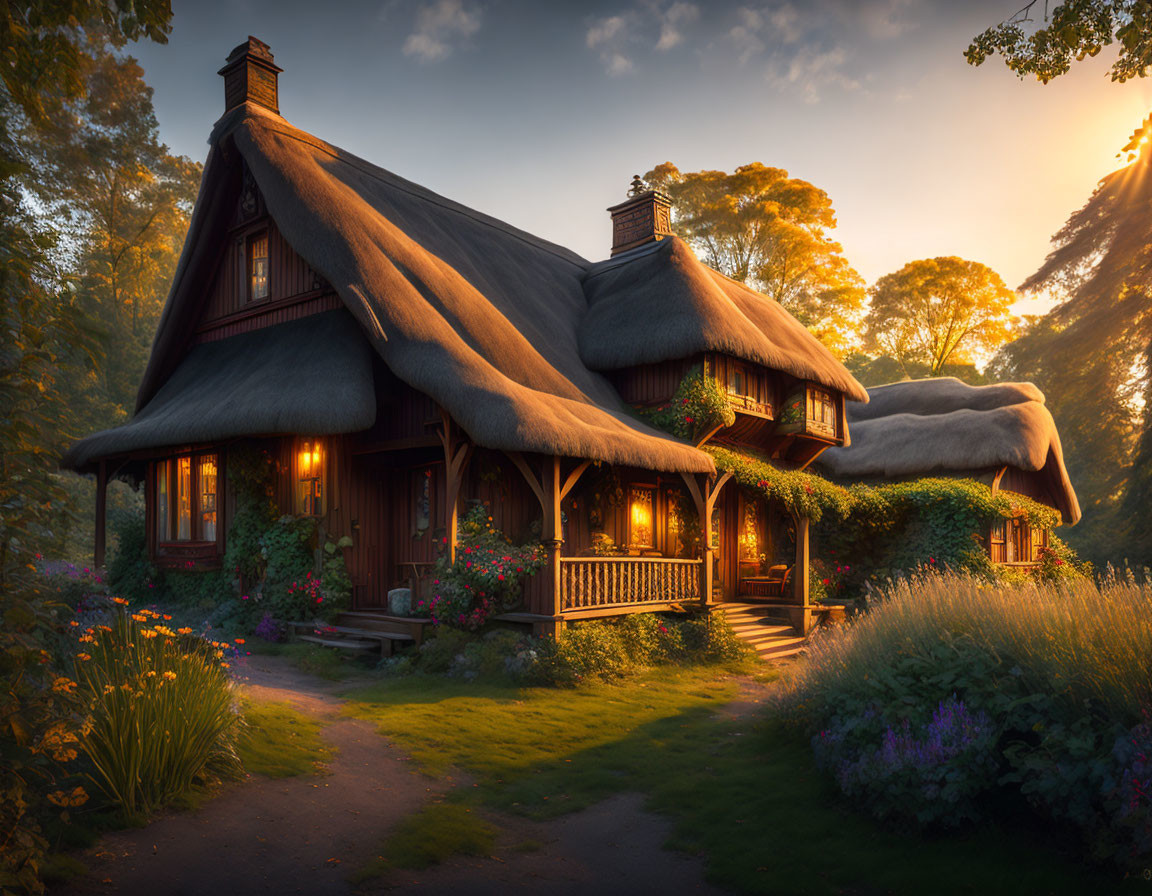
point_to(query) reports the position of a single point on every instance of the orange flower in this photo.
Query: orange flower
(74, 624)
(120, 600)
(239, 640)
(63, 685)
(78, 797)
(84, 656)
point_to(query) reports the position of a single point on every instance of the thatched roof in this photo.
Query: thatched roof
(660, 302)
(279, 380)
(482, 317)
(925, 427)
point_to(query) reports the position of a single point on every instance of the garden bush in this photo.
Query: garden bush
(130, 572)
(485, 578)
(1046, 688)
(160, 705)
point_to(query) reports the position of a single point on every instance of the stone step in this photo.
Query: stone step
(341, 643)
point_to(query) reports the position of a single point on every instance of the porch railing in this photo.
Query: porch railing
(588, 582)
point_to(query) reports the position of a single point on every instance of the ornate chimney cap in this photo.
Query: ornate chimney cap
(250, 76)
(644, 217)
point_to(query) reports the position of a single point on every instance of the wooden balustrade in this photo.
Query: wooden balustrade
(589, 582)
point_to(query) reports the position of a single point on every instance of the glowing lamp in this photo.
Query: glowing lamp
(641, 518)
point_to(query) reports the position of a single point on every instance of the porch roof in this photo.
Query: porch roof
(307, 376)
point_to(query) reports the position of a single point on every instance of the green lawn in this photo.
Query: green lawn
(279, 741)
(743, 793)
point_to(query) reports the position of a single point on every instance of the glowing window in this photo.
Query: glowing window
(640, 534)
(186, 489)
(258, 267)
(310, 476)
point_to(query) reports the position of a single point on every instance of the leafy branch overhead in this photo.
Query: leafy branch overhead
(1046, 43)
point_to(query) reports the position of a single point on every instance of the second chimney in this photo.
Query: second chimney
(250, 76)
(645, 217)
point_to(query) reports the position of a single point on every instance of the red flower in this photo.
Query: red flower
(826, 582)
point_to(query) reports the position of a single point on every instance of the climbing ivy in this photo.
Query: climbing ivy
(869, 531)
(699, 406)
(801, 492)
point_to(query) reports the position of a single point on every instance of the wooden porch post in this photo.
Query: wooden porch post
(800, 575)
(704, 495)
(550, 490)
(553, 530)
(101, 514)
(456, 455)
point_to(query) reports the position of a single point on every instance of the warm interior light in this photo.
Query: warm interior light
(642, 517)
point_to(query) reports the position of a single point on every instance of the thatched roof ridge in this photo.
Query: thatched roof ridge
(312, 375)
(940, 395)
(932, 426)
(660, 302)
(473, 312)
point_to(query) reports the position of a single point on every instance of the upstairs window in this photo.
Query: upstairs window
(258, 267)
(186, 489)
(821, 410)
(737, 381)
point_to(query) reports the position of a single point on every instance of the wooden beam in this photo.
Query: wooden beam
(457, 451)
(101, 515)
(996, 479)
(694, 490)
(714, 492)
(533, 481)
(704, 438)
(573, 478)
(809, 455)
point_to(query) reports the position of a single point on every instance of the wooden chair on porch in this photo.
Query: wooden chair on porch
(774, 584)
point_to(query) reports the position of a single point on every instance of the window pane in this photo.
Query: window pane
(310, 475)
(258, 267)
(640, 532)
(183, 499)
(207, 507)
(163, 519)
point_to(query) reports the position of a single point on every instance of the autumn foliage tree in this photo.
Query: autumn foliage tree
(773, 232)
(44, 53)
(937, 311)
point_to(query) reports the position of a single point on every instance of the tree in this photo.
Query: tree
(771, 231)
(938, 311)
(124, 202)
(42, 61)
(1071, 31)
(1092, 354)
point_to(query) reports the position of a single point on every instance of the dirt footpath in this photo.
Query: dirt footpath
(305, 835)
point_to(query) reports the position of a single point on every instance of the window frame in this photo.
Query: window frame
(196, 549)
(822, 398)
(322, 479)
(250, 242)
(633, 543)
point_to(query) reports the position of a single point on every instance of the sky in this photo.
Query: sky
(539, 113)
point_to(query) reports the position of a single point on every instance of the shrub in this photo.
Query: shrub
(485, 578)
(131, 573)
(1060, 671)
(161, 713)
(934, 773)
(699, 405)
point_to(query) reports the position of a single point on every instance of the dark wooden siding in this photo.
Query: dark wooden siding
(289, 274)
(650, 383)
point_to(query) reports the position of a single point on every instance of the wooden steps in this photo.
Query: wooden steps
(771, 637)
(351, 638)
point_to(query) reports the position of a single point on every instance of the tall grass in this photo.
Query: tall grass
(1088, 644)
(161, 708)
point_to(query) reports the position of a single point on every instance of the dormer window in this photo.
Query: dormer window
(258, 267)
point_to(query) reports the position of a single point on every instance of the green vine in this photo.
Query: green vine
(801, 492)
(699, 406)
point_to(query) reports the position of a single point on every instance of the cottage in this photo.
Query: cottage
(1001, 435)
(401, 355)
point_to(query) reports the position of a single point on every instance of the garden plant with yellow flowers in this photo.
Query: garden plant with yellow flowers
(162, 711)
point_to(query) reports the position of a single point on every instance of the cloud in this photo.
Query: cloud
(650, 24)
(886, 19)
(439, 27)
(672, 21)
(810, 71)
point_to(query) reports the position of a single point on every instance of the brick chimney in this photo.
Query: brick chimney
(645, 217)
(250, 76)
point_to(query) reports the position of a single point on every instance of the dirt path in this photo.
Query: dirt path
(304, 835)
